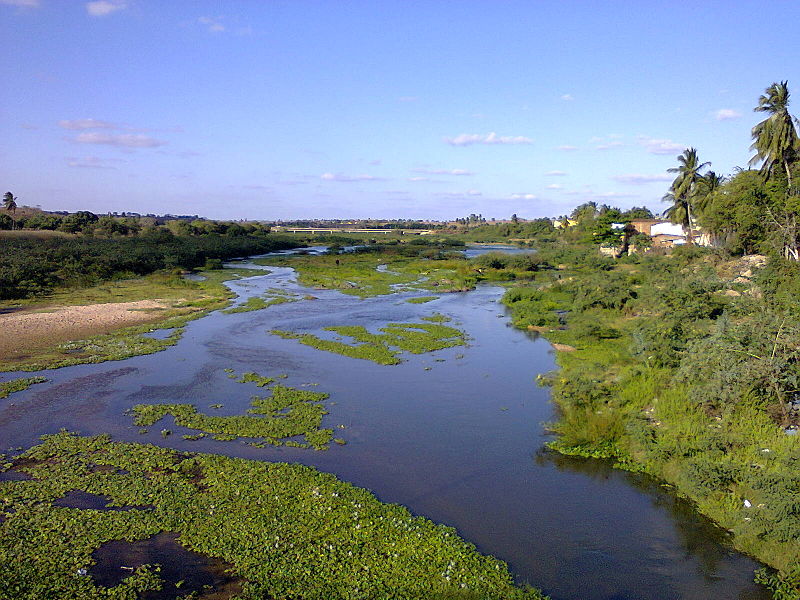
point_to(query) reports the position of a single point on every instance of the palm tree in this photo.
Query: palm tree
(775, 138)
(706, 186)
(682, 190)
(10, 202)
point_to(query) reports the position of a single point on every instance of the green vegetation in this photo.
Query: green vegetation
(415, 266)
(286, 413)
(17, 385)
(250, 377)
(188, 299)
(683, 367)
(269, 298)
(36, 267)
(288, 530)
(422, 299)
(384, 347)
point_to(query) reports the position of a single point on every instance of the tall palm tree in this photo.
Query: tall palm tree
(705, 187)
(682, 189)
(775, 138)
(10, 202)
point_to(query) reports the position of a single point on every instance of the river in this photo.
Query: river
(454, 435)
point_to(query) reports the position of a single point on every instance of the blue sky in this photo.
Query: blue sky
(408, 109)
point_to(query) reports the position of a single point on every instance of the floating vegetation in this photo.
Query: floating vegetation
(375, 353)
(271, 297)
(17, 385)
(251, 377)
(422, 299)
(286, 530)
(437, 318)
(287, 413)
(383, 348)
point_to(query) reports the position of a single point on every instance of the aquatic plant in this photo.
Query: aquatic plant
(286, 413)
(287, 530)
(421, 299)
(271, 297)
(384, 347)
(17, 385)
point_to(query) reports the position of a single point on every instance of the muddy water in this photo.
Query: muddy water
(455, 435)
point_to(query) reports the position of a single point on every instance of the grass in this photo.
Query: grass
(422, 299)
(188, 300)
(620, 398)
(286, 413)
(355, 273)
(287, 530)
(17, 385)
(384, 347)
(270, 298)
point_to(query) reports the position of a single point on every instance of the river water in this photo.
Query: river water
(454, 435)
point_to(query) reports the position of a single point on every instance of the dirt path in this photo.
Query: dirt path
(27, 330)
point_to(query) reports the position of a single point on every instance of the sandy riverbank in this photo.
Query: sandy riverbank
(27, 330)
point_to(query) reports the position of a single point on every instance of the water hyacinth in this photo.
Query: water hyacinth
(288, 530)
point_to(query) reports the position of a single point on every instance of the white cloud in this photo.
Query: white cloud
(213, 24)
(102, 8)
(81, 124)
(126, 140)
(567, 148)
(555, 174)
(555, 186)
(568, 97)
(92, 162)
(21, 3)
(608, 195)
(349, 178)
(459, 194)
(523, 196)
(657, 146)
(420, 179)
(638, 179)
(468, 139)
(726, 114)
(609, 145)
(443, 171)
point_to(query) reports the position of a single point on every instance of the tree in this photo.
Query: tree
(775, 138)
(10, 202)
(706, 186)
(682, 189)
(776, 144)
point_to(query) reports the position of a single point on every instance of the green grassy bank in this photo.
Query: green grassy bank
(684, 367)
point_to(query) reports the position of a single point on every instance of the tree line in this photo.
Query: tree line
(748, 211)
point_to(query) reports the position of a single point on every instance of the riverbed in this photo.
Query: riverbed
(455, 435)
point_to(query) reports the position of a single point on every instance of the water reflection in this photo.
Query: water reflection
(698, 536)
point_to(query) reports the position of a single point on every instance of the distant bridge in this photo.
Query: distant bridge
(351, 230)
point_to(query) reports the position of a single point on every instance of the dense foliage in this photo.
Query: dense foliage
(687, 367)
(30, 267)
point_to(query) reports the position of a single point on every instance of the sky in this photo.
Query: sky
(415, 109)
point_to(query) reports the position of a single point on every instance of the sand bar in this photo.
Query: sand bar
(30, 329)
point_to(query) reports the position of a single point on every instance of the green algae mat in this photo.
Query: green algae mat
(287, 531)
